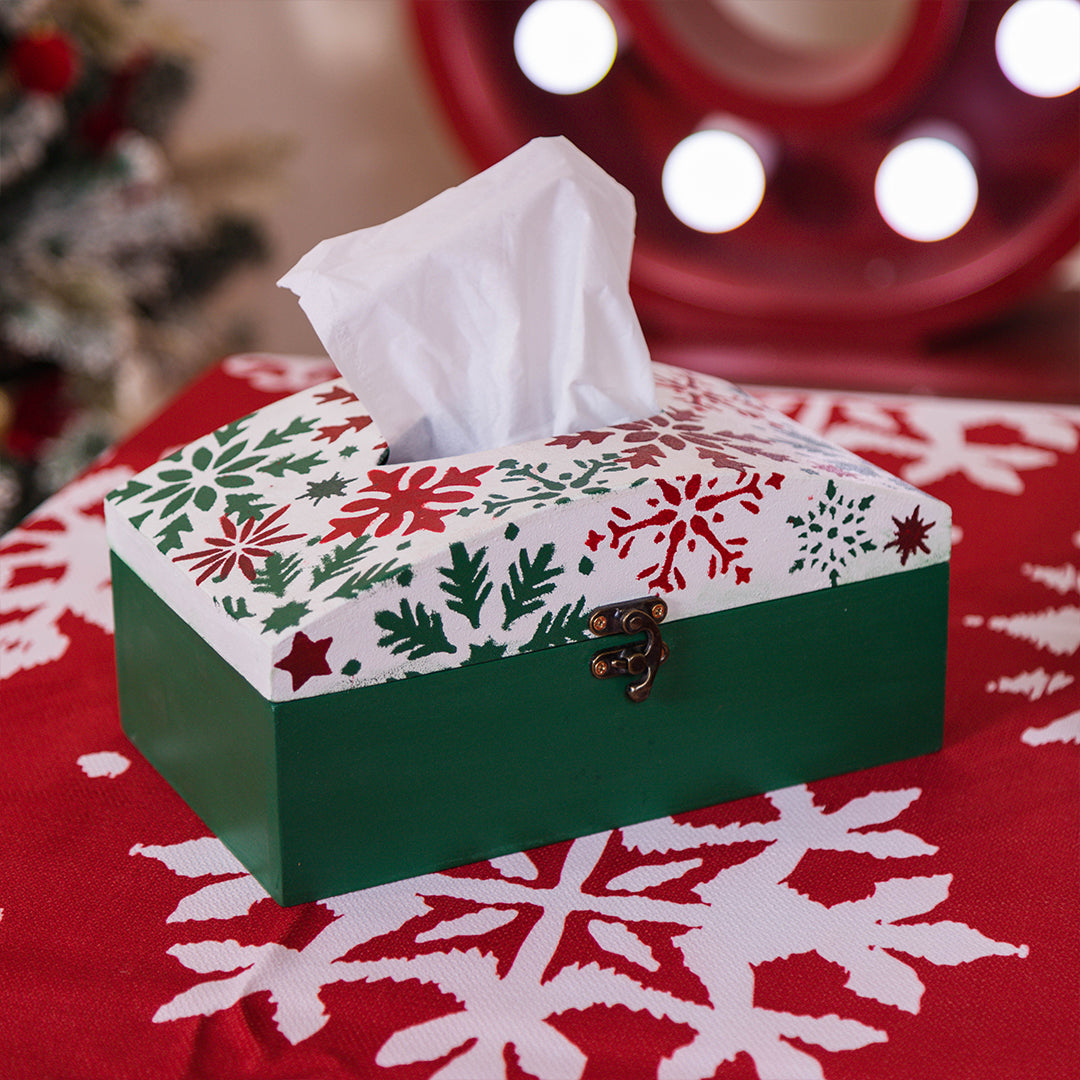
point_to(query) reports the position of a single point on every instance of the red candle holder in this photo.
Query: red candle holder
(816, 262)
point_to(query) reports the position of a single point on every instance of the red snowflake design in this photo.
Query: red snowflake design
(238, 546)
(395, 501)
(910, 536)
(686, 513)
(691, 390)
(647, 442)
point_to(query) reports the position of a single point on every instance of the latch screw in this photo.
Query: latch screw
(640, 660)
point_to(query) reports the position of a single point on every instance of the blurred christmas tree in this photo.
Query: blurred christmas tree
(109, 250)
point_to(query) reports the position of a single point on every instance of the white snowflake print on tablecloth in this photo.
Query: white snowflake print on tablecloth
(273, 374)
(1052, 630)
(640, 918)
(1065, 729)
(56, 562)
(939, 438)
(104, 763)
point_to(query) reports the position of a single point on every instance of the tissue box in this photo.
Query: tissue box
(356, 671)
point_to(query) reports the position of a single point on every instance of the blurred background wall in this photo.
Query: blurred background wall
(341, 79)
(333, 123)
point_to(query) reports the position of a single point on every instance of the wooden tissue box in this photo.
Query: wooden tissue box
(356, 672)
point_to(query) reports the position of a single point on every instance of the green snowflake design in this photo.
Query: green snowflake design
(209, 473)
(330, 488)
(542, 489)
(832, 533)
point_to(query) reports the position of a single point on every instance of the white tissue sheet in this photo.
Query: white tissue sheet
(495, 313)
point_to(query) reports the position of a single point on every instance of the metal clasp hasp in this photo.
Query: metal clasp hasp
(637, 659)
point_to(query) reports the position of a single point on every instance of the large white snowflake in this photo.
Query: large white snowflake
(56, 562)
(939, 438)
(641, 940)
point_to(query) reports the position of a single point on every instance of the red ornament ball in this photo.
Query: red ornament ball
(44, 61)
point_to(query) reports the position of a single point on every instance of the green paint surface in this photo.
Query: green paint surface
(323, 795)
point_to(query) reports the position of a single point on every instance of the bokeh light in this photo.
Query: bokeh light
(1038, 46)
(926, 189)
(713, 181)
(565, 46)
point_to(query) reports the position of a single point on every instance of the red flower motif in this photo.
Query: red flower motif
(387, 497)
(238, 546)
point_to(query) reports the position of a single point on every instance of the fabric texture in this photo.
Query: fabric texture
(917, 920)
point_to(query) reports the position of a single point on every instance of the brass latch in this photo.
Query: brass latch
(631, 617)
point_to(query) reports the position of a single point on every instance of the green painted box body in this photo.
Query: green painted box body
(502, 745)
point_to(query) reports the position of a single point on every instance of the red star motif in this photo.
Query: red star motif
(306, 659)
(910, 536)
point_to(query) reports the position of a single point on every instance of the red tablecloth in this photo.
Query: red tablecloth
(918, 920)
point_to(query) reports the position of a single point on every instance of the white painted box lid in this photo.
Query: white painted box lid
(312, 566)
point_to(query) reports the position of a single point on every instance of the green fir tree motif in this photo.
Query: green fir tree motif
(344, 559)
(466, 582)
(277, 573)
(557, 628)
(489, 650)
(418, 634)
(132, 488)
(543, 489)
(831, 534)
(293, 464)
(340, 560)
(297, 426)
(284, 616)
(171, 534)
(236, 609)
(530, 580)
(356, 583)
(245, 505)
(225, 434)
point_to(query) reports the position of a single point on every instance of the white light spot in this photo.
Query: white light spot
(713, 181)
(565, 46)
(1038, 46)
(926, 189)
(105, 763)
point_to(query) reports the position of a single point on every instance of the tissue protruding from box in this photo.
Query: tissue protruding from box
(496, 313)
